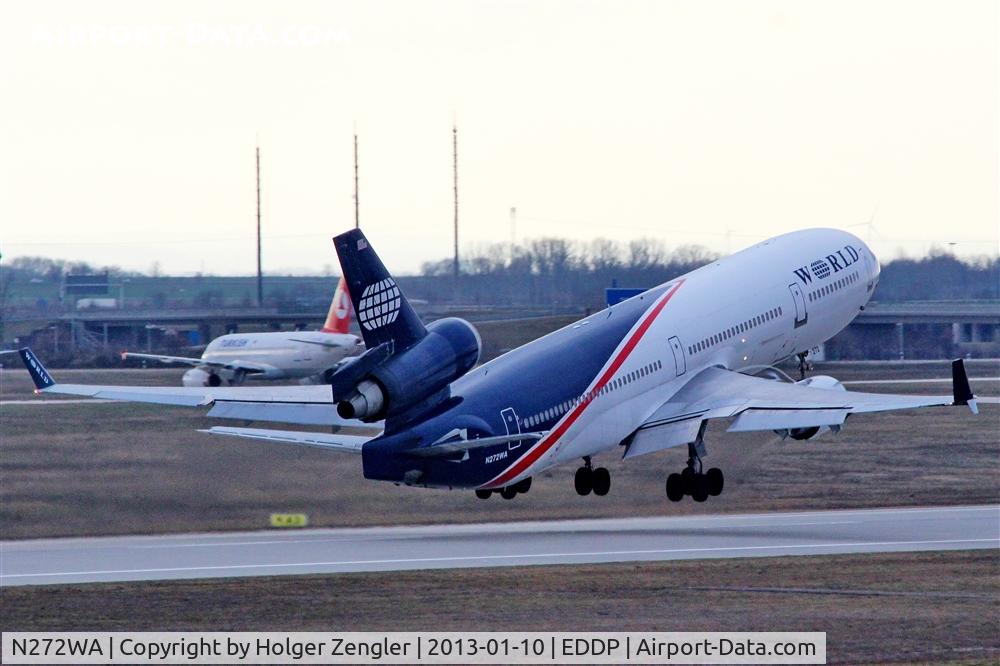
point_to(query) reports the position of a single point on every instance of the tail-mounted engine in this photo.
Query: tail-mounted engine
(449, 350)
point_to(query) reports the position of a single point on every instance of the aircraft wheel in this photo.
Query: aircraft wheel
(601, 479)
(675, 487)
(699, 487)
(483, 493)
(584, 481)
(523, 486)
(508, 493)
(687, 480)
(716, 481)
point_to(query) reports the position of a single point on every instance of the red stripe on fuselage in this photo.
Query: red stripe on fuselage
(546, 443)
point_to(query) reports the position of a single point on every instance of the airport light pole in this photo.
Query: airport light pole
(260, 275)
(454, 168)
(357, 221)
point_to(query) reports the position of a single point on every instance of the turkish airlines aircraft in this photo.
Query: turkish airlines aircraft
(312, 356)
(644, 375)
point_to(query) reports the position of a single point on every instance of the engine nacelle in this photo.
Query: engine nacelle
(823, 382)
(449, 350)
(199, 377)
(820, 382)
(802, 434)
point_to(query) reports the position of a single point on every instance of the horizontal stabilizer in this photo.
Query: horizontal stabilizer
(317, 440)
(324, 414)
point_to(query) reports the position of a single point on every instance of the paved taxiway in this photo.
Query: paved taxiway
(76, 560)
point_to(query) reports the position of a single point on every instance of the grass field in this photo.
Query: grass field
(899, 607)
(115, 468)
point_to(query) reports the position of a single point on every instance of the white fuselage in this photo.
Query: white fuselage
(283, 354)
(754, 308)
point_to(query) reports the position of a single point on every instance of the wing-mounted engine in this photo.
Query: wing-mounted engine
(822, 382)
(449, 350)
(817, 381)
(199, 377)
(217, 376)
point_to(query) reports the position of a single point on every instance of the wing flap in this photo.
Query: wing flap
(664, 435)
(786, 419)
(763, 404)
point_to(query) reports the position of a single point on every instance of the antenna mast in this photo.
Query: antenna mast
(260, 276)
(357, 222)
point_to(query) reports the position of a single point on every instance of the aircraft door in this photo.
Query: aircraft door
(680, 363)
(512, 424)
(801, 315)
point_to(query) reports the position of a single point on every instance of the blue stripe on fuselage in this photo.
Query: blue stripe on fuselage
(528, 380)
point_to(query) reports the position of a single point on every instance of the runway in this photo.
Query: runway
(266, 553)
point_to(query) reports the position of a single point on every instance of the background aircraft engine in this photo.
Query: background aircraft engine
(449, 350)
(199, 377)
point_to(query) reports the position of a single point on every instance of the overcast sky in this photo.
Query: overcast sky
(128, 129)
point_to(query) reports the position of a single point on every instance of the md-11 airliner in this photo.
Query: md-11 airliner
(642, 376)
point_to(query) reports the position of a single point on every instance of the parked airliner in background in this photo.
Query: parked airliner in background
(644, 375)
(312, 356)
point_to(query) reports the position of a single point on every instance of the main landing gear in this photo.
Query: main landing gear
(589, 480)
(507, 492)
(693, 481)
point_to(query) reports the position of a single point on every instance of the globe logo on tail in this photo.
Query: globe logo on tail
(379, 304)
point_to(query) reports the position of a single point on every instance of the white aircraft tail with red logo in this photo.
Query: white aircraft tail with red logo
(339, 318)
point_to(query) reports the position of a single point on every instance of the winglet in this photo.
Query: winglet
(39, 374)
(961, 390)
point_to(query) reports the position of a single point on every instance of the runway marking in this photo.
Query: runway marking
(522, 556)
(653, 531)
(942, 380)
(835, 592)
